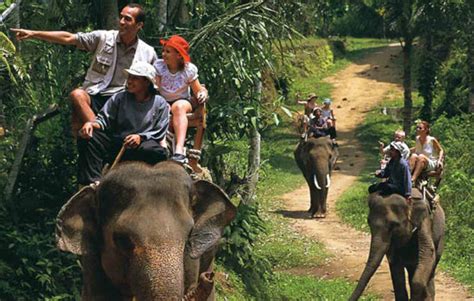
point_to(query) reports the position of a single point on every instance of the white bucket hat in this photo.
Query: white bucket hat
(143, 69)
(397, 145)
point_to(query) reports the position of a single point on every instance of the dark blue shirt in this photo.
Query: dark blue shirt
(123, 115)
(398, 174)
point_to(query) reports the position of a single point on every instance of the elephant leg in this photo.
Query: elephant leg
(397, 272)
(426, 263)
(324, 201)
(431, 286)
(321, 203)
(314, 206)
(411, 273)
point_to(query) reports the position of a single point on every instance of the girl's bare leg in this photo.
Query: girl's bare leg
(179, 110)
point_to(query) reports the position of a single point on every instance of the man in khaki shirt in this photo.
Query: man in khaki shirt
(113, 51)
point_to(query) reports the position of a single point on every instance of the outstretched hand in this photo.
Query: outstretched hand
(22, 34)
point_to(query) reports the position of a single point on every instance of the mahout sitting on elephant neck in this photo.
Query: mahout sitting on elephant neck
(145, 232)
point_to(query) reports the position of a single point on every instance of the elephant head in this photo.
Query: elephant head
(418, 249)
(145, 232)
(316, 158)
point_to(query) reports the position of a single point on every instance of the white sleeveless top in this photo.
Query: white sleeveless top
(426, 149)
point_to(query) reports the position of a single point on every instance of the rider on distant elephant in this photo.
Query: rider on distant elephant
(399, 135)
(318, 125)
(427, 155)
(397, 172)
(328, 113)
(309, 103)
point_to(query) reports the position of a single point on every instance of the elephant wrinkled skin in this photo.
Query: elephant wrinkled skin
(416, 250)
(316, 158)
(145, 233)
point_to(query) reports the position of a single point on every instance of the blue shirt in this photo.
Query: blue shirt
(123, 115)
(398, 174)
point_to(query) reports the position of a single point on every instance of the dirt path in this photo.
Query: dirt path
(357, 89)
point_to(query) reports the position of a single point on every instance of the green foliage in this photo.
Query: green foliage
(229, 286)
(31, 268)
(453, 85)
(291, 287)
(359, 20)
(457, 194)
(238, 253)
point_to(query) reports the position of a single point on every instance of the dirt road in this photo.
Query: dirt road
(357, 89)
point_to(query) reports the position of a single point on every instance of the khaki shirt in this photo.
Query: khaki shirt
(105, 74)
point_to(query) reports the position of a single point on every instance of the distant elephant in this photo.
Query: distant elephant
(418, 250)
(316, 158)
(145, 233)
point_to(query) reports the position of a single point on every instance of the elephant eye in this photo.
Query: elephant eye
(123, 242)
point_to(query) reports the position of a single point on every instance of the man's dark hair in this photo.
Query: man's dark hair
(141, 13)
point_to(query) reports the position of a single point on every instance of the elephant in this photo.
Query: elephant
(145, 233)
(316, 158)
(413, 243)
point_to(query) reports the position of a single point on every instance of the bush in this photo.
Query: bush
(238, 252)
(31, 268)
(457, 193)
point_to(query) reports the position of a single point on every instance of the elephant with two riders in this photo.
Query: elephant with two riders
(412, 241)
(146, 233)
(316, 158)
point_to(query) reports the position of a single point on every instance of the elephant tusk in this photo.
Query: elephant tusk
(328, 180)
(316, 183)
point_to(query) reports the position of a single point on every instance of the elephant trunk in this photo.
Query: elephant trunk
(157, 273)
(321, 177)
(378, 248)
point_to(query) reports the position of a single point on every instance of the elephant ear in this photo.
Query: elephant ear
(212, 211)
(76, 224)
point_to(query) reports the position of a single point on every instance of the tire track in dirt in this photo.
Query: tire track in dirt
(357, 89)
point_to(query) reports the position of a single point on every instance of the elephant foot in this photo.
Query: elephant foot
(320, 215)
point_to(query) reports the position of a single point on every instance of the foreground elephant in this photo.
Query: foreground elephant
(145, 232)
(418, 251)
(316, 158)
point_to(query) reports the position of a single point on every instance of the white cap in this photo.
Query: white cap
(398, 146)
(143, 69)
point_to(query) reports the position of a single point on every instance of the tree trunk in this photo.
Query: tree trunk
(162, 14)
(408, 102)
(470, 60)
(253, 167)
(253, 157)
(110, 14)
